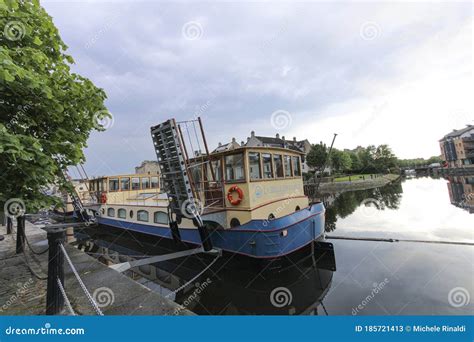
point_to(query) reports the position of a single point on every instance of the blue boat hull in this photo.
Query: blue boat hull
(258, 238)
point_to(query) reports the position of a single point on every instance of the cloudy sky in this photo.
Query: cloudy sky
(375, 72)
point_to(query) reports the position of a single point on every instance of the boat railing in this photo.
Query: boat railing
(210, 194)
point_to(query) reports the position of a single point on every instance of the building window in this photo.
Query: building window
(124, 184)
(122, 213)
(145, 183)
(160, 217)
(142, 215)
(135, 183)
(296, 166)
(113, 184)
(267, 165)
(154, 182)
(111, 212)
(254, 165)
(278, 162)
(287, 166)
(234, 167)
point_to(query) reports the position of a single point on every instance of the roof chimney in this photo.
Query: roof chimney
(283, 137)
(252, 134)
(294, 139)
(233, 140)
(242, 143)
(220, 144)
(278, 136)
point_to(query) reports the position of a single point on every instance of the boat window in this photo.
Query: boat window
(278, 162)
(145, 183)
(142, 215)
(113, 184)
(234, 167)
(216, 165)
(124, 183)
(287, 166)
(154, 182)
(234, 223)
(296, 166)
(135, 183)
(160, 217)
(267, 165)
(254, 165)
(111, 212)
(122, 213)
(271, 217)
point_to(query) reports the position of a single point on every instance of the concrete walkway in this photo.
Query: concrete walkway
(22, 293)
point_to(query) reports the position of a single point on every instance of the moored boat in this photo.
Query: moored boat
(250, 200)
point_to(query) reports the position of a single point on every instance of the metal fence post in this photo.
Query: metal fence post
(54, 298)
(20, 234)
(9, 225)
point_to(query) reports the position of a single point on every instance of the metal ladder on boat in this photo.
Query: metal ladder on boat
(81, 212)
(177, 180)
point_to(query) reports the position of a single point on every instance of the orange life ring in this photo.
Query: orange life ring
(235, 201)
(103, 197)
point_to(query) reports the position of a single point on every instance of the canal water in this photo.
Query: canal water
(367, 278)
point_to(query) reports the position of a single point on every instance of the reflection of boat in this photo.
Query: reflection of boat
(293, 290)
(410, 173)
(250, 199)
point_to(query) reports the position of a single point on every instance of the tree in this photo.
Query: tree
(317, 155)
(340, 160)
(384, 158)
(356, 164)
(366, 157)
(46, 111)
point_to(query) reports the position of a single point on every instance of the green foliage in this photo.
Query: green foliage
(317, 155)
(46, 111)
(340, 161)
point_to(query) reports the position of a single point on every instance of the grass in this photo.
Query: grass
(352, 177)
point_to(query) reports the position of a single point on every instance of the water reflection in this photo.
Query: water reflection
(344, 204)
(461, 192)
(298, 288)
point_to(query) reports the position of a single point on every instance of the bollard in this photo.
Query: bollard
(20, 234)
(54, 297)
(9, 225)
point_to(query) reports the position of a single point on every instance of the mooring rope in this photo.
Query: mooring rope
(81, 283)
(194, 278)
(398, 240)
(66, 299)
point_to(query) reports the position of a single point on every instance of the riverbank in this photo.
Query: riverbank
(358, 184)
(24, 283)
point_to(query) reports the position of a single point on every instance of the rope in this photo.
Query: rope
(66, 299)
(194, 278)
(79, 280)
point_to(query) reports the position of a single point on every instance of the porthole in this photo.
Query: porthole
(234, 223)
(131, 214)
(297, 208)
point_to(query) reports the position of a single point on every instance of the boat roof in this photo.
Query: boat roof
(251, 148)
(135, 175)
